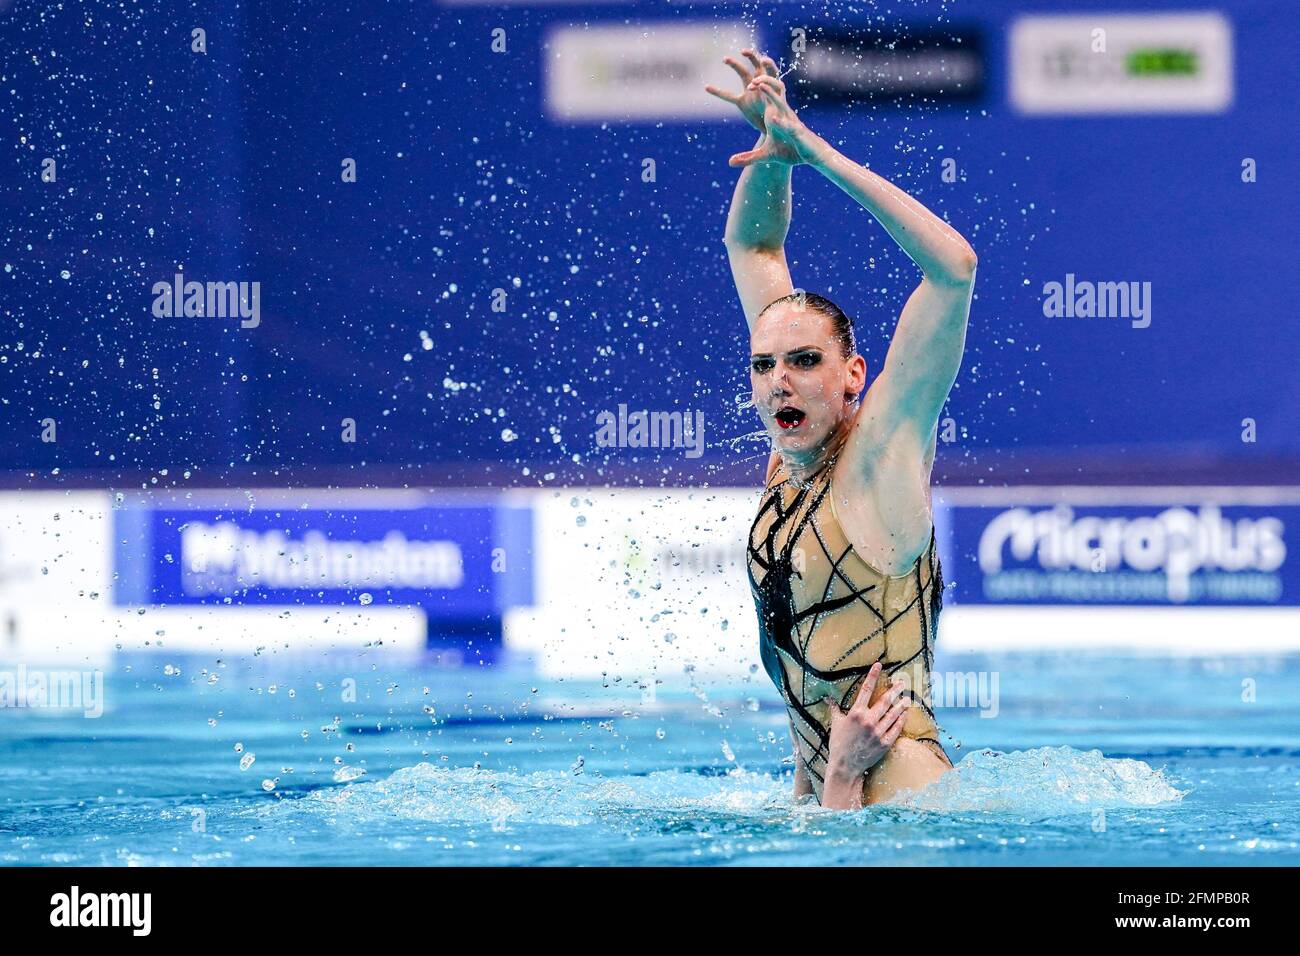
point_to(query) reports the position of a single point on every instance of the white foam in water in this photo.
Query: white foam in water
(557, 798)
(1045, 781)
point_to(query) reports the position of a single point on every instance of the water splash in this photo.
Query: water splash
(1045, 781)
(434, 794)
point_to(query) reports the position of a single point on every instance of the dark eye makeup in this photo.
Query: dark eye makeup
(800, 358)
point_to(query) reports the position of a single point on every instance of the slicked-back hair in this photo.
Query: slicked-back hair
(841, 324)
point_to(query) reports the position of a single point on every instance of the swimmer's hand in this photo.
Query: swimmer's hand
(859, 738)
(785, 139)
(750, 102)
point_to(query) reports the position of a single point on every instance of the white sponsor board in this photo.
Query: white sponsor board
(54, 546)
(637, 586)
(55, 574)
(1113, 63)
(641, 71)
(1119, 631)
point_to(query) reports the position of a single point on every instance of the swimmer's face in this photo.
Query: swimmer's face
(803, 385)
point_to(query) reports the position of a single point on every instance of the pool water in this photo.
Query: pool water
(369, 760)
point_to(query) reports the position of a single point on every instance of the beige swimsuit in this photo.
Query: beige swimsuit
(826, 616)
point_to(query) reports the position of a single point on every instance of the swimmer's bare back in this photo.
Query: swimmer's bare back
(876, 451)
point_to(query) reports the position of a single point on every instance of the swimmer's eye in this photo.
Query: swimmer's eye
(807, 359)
(762, 365)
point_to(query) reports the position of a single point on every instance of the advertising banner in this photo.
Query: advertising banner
(461, 561)
(1206, 553)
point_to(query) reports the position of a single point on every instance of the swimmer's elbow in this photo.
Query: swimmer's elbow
(737, 246)
(961, 271)
(970, 262)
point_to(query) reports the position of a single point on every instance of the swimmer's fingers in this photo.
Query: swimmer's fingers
(878, 711)
(762, 63)
(744, 74)
(895, 730)
(731, 98)
(781, 111)
(771, 88)
(748, 158)
(741, 70)
(745, 77)
(862, 703)
(897, 713)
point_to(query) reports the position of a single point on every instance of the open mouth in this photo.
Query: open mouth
(788, 416)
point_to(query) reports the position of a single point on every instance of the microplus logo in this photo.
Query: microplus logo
(1176, 542)
(645, 429)
(222, 300)
(223, 557)
(103, 909)
(1101, 300)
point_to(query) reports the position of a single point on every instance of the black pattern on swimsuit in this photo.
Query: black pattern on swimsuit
(778, 618)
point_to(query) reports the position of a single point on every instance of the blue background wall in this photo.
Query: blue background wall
(229, 164)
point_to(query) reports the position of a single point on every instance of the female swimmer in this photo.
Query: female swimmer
(841, 555)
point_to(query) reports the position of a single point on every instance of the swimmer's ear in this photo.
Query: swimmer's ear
(857, 377)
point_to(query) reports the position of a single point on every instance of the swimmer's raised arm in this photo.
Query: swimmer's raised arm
(925, 353)
(760, 206)
(926, 350)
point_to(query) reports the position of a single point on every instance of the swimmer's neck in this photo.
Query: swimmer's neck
(802, 466)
